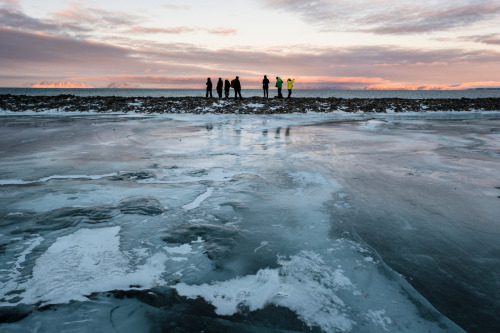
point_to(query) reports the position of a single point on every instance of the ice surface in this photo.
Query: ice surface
(338, 222)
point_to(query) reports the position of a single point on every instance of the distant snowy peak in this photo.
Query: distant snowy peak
(65, 84)
(121, 85)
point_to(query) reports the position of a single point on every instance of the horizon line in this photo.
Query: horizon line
(295, 89)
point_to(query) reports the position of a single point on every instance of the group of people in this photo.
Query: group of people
(236, 85)
(226, 85)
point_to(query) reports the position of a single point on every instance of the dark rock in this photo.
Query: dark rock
(198, 105)
(133, 175)
(12, 314)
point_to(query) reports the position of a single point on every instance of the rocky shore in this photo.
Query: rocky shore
(252, 105)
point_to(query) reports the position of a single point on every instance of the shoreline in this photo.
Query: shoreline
(251, 105)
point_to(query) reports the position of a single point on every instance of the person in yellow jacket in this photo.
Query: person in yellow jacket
(290, 86)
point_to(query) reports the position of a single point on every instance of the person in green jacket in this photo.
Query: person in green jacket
(279, 84)
(290, 86)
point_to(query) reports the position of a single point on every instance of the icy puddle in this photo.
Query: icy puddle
(244, 224)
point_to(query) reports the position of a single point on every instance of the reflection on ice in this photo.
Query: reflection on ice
(247, 223)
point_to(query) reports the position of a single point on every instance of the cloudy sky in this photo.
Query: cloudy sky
(342, 44)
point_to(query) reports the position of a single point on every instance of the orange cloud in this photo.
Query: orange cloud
(222, 31)
(427, 86)
(326, 79)
(61, 85)
(249, 81)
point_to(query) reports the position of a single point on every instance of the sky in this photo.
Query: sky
(322, 44)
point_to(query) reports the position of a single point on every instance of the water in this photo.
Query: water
(419, 94)
(249, 223)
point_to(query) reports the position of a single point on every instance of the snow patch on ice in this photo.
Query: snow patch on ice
(183, 249)
(378, 318)
(255, 105)
(87, 261)
(303, 284)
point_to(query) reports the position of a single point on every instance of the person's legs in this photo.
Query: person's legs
(289, 93)
(279, 93)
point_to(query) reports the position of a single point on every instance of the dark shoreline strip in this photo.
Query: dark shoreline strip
(252, 105)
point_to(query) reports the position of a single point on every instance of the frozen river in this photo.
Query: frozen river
(234, 223)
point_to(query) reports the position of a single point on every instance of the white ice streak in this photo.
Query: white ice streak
(12, 276)
(199, 199)
(262, 244)
(215, 174)
(46, 179)
(372, 125)
(255, 105)
(303, 284)
(87, 261)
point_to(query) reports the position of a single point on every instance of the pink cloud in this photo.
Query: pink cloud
(146, 30)
(389, 17)
(76, 14)
(179, 30)
(172, 6)
(492, 39)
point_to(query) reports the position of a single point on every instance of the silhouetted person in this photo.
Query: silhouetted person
(279, 84)
(237, 87)
(209, 88)
(220, 84)
(227, 87)
(265, 86)
(290, 86)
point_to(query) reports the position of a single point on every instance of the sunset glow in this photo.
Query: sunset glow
(324, 44)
